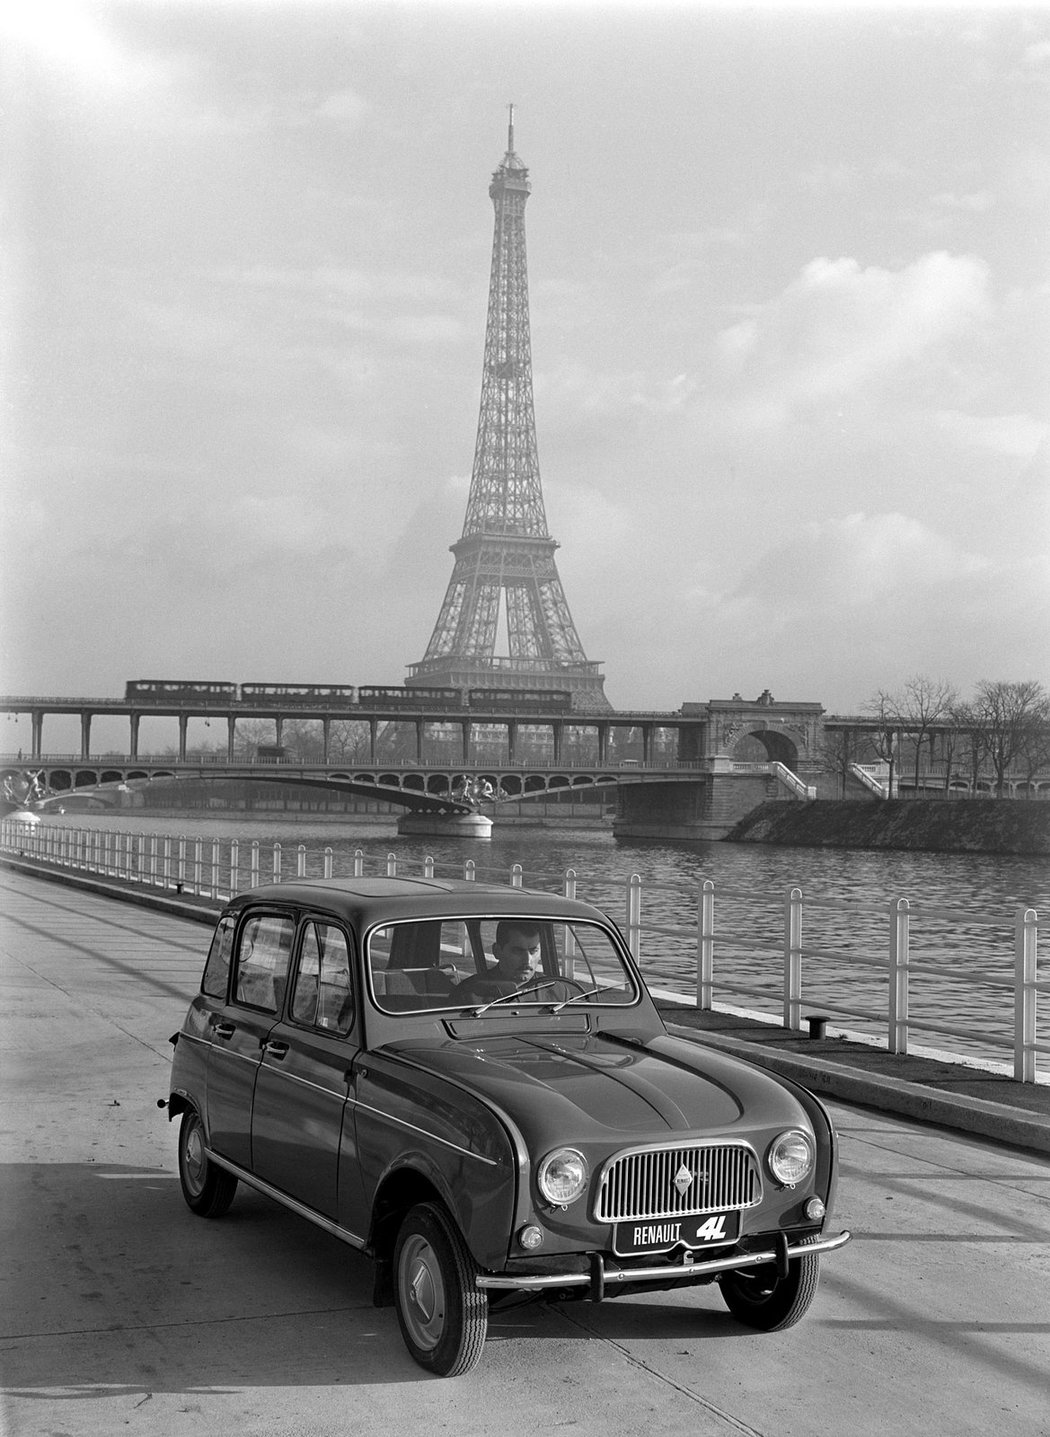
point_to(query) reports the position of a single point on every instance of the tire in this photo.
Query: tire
(207, 1188)
(755, 1297)
(443, 1316)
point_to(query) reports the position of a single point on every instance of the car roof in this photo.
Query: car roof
(365, 900)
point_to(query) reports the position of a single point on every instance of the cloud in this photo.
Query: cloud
(1016, 435)
(856, 561)
(840, 330)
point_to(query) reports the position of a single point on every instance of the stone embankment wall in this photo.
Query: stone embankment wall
(959, 826)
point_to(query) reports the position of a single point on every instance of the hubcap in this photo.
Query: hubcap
(194, 1158)
(422, 1292)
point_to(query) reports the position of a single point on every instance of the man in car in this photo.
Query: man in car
(518, 953)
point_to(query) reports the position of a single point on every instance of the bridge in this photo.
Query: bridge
(675, 773)
(691, 772)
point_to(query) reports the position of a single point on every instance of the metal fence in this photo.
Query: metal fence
(991, 999)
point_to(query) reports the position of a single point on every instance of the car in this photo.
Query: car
(471, 1084)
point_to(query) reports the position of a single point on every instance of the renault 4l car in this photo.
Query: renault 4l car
(472, 1085)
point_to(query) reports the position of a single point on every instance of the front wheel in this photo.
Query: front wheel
(443, 1315)
(758, 1299)
(208, 1189)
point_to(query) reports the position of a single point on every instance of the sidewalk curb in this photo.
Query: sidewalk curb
(892, 1095)
(206, 911)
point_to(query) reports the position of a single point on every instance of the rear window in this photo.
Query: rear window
(263, 951)
(217, 969)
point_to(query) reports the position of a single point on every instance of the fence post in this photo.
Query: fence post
(1026, 955)
(391, 865)
(235, 864)
(428, 866)
(277, 864)
(215, 868)
(166, 870)
(705, 948)
(634, 914)
(254, 880)
(300, 861)
(897, 1038)
(468, 870)
(329, 861)
(570, 883)
(793, 959)
(516, 876)
(359, 863)
(198, 865)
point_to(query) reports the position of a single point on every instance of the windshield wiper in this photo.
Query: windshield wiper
(583, 993)
(508, 997)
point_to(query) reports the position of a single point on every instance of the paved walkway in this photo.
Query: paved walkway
(956, 1095)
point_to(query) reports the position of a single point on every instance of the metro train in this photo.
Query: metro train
(332, 697)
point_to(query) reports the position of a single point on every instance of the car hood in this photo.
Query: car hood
(595, 1084)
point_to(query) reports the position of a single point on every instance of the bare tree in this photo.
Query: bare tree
(1013, 718)
(886, 708)
(840, 750)
(923, 703)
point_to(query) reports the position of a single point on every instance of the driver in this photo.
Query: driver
(517, 951)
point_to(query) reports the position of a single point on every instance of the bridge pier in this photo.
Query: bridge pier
(702, 811)
(445, 825)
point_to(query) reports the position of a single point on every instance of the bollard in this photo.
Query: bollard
(793, 959)
(705, 951)
(1026, 961)
(897, 1039)
(634, 915)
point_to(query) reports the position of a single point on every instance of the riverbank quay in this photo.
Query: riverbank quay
(944, 825)
(944, 1090)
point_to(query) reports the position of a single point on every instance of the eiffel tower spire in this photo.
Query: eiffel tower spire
(505, 581)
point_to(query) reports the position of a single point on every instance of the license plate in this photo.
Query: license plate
(706, 1230)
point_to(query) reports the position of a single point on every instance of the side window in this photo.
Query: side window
(217, 968)
(322, 997)
(262, 961)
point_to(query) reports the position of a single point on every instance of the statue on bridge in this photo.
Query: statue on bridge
(473, 791)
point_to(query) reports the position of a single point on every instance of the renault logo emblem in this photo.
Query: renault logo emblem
(683, 1180)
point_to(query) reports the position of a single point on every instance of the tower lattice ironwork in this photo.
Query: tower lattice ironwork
(505, 583)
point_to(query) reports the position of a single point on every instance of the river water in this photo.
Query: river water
(963, 909)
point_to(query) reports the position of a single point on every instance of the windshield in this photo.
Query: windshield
(485, 964)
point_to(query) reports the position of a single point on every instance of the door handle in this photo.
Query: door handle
(275, 1049)
(224, 1030)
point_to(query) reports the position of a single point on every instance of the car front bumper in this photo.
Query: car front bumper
(605, 1271)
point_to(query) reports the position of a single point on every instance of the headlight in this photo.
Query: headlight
(562, 1176)
(790, 1158)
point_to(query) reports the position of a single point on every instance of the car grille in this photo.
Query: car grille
(672, 1181)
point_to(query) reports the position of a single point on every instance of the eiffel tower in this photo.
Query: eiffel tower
(505, 586)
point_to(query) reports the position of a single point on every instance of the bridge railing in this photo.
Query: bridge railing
(986, 999)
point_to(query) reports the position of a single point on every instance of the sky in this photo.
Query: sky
(790, 303)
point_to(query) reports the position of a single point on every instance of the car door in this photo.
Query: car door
(303, 1079)
(239, 1028)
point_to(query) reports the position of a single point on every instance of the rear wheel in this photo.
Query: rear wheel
(757, 1298)
(208, 1189)
(442, 1314)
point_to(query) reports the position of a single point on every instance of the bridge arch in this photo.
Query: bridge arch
(764, 744)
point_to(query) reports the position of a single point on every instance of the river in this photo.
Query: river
(962, 954)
